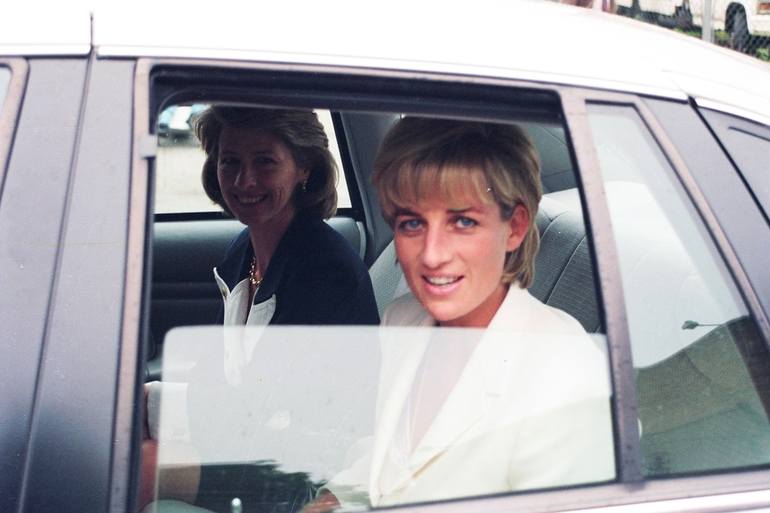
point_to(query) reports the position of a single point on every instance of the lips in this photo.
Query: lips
(441, 285)
(250, 199)
(441, 280)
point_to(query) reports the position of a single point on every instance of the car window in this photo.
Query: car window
(747, 143)
(272, 416)
(695, 348)
(180, 159)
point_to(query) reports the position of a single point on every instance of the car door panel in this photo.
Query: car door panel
(32, 206)
(77, 383)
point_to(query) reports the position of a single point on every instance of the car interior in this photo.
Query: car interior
(186, 246)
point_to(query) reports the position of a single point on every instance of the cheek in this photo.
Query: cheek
(406, 252)
(223, 180)
(488, 253)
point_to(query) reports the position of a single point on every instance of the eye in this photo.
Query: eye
(409, 225)
(265, 161)
(227, 162)
(464, 222)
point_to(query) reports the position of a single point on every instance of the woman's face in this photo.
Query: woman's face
(453, 256)
(257, 176)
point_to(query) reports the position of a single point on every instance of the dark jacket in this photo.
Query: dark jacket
(315, 275)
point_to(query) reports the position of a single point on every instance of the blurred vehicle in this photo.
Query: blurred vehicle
(741, 19)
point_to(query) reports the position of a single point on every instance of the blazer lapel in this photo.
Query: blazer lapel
(465, 406)
(401, 357)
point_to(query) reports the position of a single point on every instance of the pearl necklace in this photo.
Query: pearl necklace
(255, 277)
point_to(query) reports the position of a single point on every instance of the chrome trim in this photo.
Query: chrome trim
(45, 50)
(711, 493)
(379, 67)
(735, 111)
(10, 106)
(628, 454)
(749, 501)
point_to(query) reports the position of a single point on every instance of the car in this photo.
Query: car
(654, 228)
(742, 20)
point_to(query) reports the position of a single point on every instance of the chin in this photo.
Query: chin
(442, 315)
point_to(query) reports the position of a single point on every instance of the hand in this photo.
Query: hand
(324, 503)
(146, 414)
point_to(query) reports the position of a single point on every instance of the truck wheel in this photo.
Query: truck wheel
(739, 32)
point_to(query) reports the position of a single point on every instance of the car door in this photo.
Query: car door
(632, 162)
(78, 345)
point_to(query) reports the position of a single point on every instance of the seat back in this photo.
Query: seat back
(705, 407)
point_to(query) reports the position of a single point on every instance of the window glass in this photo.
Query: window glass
(274, 416)
(180, 159)
(748, 144)
(694, 346)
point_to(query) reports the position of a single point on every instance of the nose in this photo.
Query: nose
(246, 177)
(436, 250)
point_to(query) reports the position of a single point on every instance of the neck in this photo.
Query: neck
(265, 240)
(483, 314)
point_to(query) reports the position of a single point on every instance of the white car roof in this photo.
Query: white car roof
(520, 39)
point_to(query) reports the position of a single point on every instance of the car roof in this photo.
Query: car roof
(524, 39)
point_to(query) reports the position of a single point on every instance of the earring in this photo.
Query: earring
(304, 185)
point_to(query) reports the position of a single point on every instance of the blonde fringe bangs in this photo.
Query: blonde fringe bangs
(414, 184)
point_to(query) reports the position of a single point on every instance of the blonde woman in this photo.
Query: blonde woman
(522, 405)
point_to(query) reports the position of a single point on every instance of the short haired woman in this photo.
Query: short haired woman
(272, 170)
(522, 405)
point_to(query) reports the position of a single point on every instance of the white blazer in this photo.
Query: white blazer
(530, 409)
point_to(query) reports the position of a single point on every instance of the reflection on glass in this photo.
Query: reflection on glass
(698, 355)
(380, 416)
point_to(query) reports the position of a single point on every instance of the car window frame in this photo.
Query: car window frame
(683, 493)
(721, 123)
(10, 107)
(714, 195)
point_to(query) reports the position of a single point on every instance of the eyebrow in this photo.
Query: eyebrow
(405, 212)
(257, 152)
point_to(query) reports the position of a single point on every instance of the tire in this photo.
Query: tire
(739, 32)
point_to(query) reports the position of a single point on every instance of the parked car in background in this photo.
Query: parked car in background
(654, 224)
(741, 19)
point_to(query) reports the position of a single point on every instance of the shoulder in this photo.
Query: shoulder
(237, 245)
(521, 311)
(318, 243)
(406, 311)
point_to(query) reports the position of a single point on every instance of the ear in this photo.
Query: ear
(519, 224)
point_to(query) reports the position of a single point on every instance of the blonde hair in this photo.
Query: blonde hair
(422, 158)
(299, 130)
